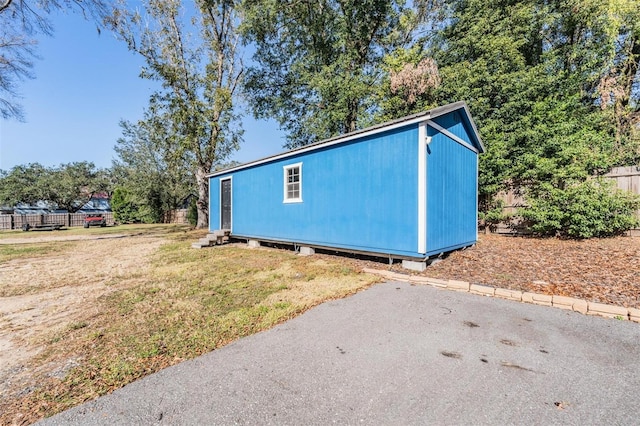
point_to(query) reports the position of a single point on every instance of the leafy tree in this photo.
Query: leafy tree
(69, 186)
(200, 76)
(532, 72)
(153, 177)
(20, 22)
(615, 50)
(72, 185)
(23, 184)
(317, 62)
(124, 207)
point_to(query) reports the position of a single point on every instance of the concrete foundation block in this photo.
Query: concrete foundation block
(609, 311)
(413, 265)
(482, 289)
(307, 251)
(196, 245)
(504, 293)
(253, 243)
(563, 302)
(458, 285)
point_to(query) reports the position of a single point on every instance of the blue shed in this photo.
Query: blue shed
(405, 189)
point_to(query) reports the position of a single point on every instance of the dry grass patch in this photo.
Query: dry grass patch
(152, 309)
(31, 250)
(94, 233)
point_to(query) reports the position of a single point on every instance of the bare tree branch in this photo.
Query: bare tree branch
(20, 22)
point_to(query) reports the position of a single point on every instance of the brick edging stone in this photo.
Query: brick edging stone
(562, 302)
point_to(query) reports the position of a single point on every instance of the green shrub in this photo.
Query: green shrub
(493, 215)
(123, 206)
(593, 208)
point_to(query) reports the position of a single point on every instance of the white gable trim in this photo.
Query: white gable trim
(452, 136)
(319, 145)
(422, 188)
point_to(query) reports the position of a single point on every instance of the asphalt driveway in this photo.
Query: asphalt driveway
(399, 354)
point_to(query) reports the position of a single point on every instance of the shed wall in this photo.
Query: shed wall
(361, 195)
(452, 178)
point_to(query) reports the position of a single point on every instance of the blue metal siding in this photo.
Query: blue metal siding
(451, 192)
(454, 123)
(359, 195)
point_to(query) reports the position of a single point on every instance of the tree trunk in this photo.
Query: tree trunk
(203, 198)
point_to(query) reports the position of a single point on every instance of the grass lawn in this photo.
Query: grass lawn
(93, 314)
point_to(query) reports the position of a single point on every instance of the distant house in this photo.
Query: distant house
(406, 189)
(100, 202)
(41, 207)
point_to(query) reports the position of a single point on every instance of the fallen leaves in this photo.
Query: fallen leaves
(598, 270)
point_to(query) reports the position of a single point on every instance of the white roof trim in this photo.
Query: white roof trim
(313, 147)
(452, 136)
(412, 119)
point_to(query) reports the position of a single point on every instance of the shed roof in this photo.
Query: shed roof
(410, 119)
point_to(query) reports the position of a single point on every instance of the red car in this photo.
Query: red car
(94, 220)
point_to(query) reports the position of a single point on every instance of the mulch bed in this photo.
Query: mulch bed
(597, 270)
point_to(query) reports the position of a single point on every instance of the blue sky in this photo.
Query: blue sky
(85, 84)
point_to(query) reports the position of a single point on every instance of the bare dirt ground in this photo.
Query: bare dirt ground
(42, 296)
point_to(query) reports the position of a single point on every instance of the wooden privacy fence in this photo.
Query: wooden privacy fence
(625, 178)
(15, 221)
(178, 216)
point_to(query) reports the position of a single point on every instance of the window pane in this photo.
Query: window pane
(293, 175)
(292, 183)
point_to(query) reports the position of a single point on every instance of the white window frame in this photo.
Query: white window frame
(286, 184)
